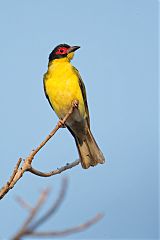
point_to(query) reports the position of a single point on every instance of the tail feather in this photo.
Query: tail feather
(84, 153)
(89, 151)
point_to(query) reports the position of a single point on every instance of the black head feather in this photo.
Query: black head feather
(55, 54)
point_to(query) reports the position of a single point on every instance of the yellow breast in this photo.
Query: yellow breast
(62, 87)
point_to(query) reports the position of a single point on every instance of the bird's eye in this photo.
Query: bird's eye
(61, 50)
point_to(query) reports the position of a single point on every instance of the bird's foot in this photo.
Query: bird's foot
(61, 124)
(75, 103)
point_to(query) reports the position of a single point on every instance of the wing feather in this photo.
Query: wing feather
(83, 90)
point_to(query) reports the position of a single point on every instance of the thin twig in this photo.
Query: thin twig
(23, 203)
(26, 166)
(54, 172)
(29, 226)
(15, 171)
(7, 186)
(68, 231)
(32, 214)
(39, 204)
(53, 208)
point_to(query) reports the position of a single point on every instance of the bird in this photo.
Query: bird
(64, 86)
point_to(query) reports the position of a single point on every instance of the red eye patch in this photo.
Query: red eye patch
(61, 51)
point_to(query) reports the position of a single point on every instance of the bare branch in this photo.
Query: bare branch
(56, 171)
(15, 171)
(29, 226)
(32, 214)
(27, 164)
(35, 210)
(68, 231)
(23, 203)
(7, 186)
(53, 208)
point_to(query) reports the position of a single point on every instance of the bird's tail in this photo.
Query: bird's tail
(89, 152)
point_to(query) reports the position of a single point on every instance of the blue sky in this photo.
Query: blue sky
(118, 62)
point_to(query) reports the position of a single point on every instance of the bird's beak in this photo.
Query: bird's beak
(72, 49)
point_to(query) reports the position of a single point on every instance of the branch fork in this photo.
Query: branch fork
(27, 163)
(31, 224)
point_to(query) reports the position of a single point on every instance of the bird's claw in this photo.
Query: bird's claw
(61, 124)
(75, 103)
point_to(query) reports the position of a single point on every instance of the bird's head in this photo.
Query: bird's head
(63, 51)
